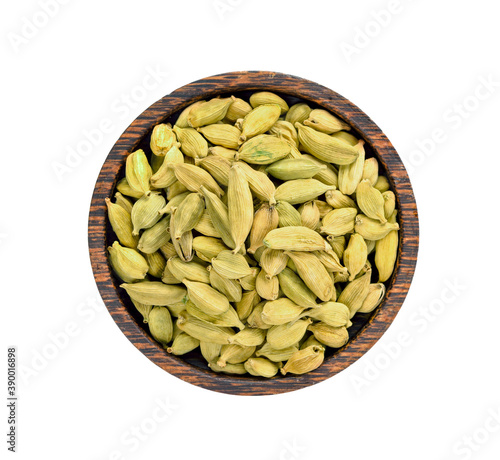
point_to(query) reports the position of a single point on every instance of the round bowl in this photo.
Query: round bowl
(366, 329)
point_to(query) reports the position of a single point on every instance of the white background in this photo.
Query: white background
(431, 382)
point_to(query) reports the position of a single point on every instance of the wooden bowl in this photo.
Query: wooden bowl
(367, 328)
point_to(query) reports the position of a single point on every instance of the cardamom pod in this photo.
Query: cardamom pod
(261, 367)
(123, 187)
(266, 97)
(323, 121)
(127, 263)
(313, 273)
(121, 223)
(162, 140)
(335, 337)
(263, 150)
(273, 262)
(281, 311)
(285, 130)
(193, 178)
(156, 263)
(276, 355)
(301, 190)
(350, 175)
(155, 237)
(191, 271)
(325, 147)
(348, 138)
(207, 247)
(295, 289)
(146, 211)
(255, 320)
(333, 314)
(259, 183)
(210, 351)
(354, 294)
(183, 344)
(160, 325)
(240, 207)
(165, 177)
(304, 361)
(154, 293)
(182, 121)
(238, 109)
(209, 112)
(292, 169)
(265, 219)
(310, 215)
(370, 201)
(125, 203)
(288, 216)
(230, 265)
(188, 214)
(296, 239)
(234, 354)
(337, 200)
(193, 144)
(371, 229)
(203, 331)
(217, 150)
(218, 167)
(222, 134)
(370, 170)
(144, 310)
(355, 255)
(382, 184)
(230, 288)
(138, 172)
(287, 335)
(248, 337)
(298, 113)
(244, 307)
(206, 298)
(375, 295)
(389, 203)
(339, 221)
(386, 252)
(338, 244)
(228, 369)
(220, 216)
(248, 282)
(267, 288)
(259, 120)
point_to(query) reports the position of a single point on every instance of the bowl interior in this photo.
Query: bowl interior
(194, 358)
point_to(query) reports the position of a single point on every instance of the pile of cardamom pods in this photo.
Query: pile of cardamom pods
(256, 226)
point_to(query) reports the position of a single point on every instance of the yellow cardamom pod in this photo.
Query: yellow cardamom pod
(210, 351)
(265, 219)
(386, 252)
(301, 190)
(267, 288)
(304, 361)
(371, 229)
(240, 207)
(138, 172)
(273, 261)
(222, 134)
(123, 187)
(295, 289)
(313, 273)
(193, 178)
(127, 263)
(354, 294)
(261, 367)
(209, 112)
(291, 168)
(323, 121)
(155, 237)
(193, 144)
(298, 113)
(288, 216)
(244, 307)
(146, 211)
(183, 344)
(266, 97)
(238, 109)
(335, 337)
(339, 221)
(154, 293)
(125, 203)
(333, 314)
(375, 295)
(348, 138)
(234, 354)
(230, 288)
(248, 282)
(165, 177)
(371, 201)
(382, 184)
(338, 244)
(208, 247)
(310, 215)
(276, 355)
(287, 335)
(355, 255)
(337, 200)
(325, 147)
(157, 264)
(296, 239)
(280, 311)
(188, 214)
(258, 121)
(121, 222)
(230, 265)
(389, 203)
(263, 149)
(228, 154)
(370, 170)
(228, 369)
(259, 183)
(350, 175)
(204, 331)
(160, 325)
(255, 320)
(182, 121)
(249, 337)
(218, 167)
(192, 271)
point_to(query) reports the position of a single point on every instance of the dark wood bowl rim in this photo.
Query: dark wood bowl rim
(292, 86)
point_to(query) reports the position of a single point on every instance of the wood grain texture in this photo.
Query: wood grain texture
(367, 329)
